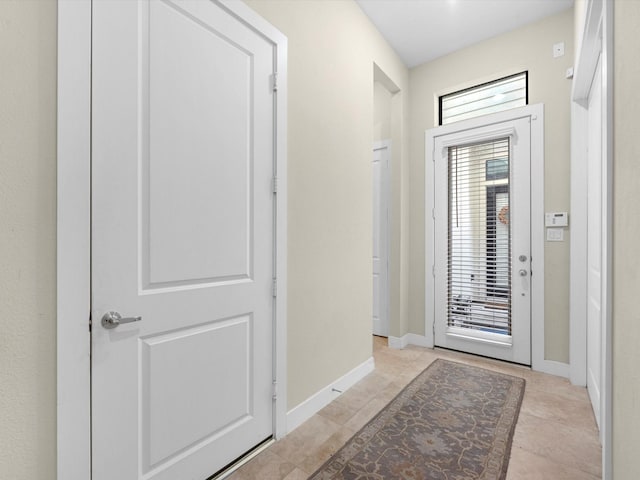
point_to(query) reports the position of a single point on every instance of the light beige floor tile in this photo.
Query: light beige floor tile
(320, 455)
(390, 391)
(266, 466)
(525, 465)
(559, 443)
(305, 439)
(297, 474)
(558, 385)
(355, 398)
(555, 439)
(339, 412)
(561, 409)
(365, 414)
(373, 383)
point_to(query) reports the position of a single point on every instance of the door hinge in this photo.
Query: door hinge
(90, 323)
(274, 288)
(274, 81)
(274, 390)
(274, 184)
(433, 271)
(433, 213)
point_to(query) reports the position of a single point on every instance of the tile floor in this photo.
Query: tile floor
(555, 439)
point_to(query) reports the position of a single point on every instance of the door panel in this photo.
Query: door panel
(482, 240)
(201, 161)
(219, 350)
(182, 235)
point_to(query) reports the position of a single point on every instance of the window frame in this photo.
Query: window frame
(484, 84)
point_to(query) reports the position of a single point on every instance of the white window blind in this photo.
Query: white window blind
(479, 238)
(496, 96)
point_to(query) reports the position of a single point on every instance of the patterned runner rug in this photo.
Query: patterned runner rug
(452, 422)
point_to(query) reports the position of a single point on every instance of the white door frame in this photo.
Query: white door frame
(536, 113)
(74, 226)
(597, 40)
(384, 229)
(518, 131)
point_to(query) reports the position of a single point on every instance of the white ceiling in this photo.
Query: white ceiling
(422, 30)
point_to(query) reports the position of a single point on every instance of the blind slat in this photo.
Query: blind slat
(502, 94)
(479, 238)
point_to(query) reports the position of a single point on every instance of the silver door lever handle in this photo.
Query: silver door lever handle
(523, 273)
(113, 319)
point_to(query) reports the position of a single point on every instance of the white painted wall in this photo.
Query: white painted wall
(332, 49)
(28, 240)
(529, 48)
(626, 235)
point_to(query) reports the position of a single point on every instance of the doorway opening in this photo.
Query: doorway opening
(387, 136)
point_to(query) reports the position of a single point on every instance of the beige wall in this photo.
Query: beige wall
(332, 49)
(529, 48)
(27, 240)
(626, 232)
(330, 118)
(331, 135)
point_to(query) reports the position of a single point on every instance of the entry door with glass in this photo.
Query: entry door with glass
(482, 241)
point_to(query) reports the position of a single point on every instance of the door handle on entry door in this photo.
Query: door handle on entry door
(113, 319)
(522, 272)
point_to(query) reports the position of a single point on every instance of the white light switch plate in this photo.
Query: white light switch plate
(555, 235)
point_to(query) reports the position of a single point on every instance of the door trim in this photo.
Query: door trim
(597, 40)
(536, 113)
(74, 226)
(73, 242)
(517, 347)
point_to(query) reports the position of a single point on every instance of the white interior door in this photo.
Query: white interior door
(182, 237)
(595, 176)
(381, 155)
(482, 239)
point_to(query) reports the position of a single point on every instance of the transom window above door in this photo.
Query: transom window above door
(495, 96)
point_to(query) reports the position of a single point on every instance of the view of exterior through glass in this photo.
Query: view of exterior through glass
(479, 257)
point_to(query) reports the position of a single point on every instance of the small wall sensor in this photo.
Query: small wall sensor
(558, 49)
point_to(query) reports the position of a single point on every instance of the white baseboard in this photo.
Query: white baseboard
(553, 368)
(409, 339)
(316, 402)
(545, 366)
